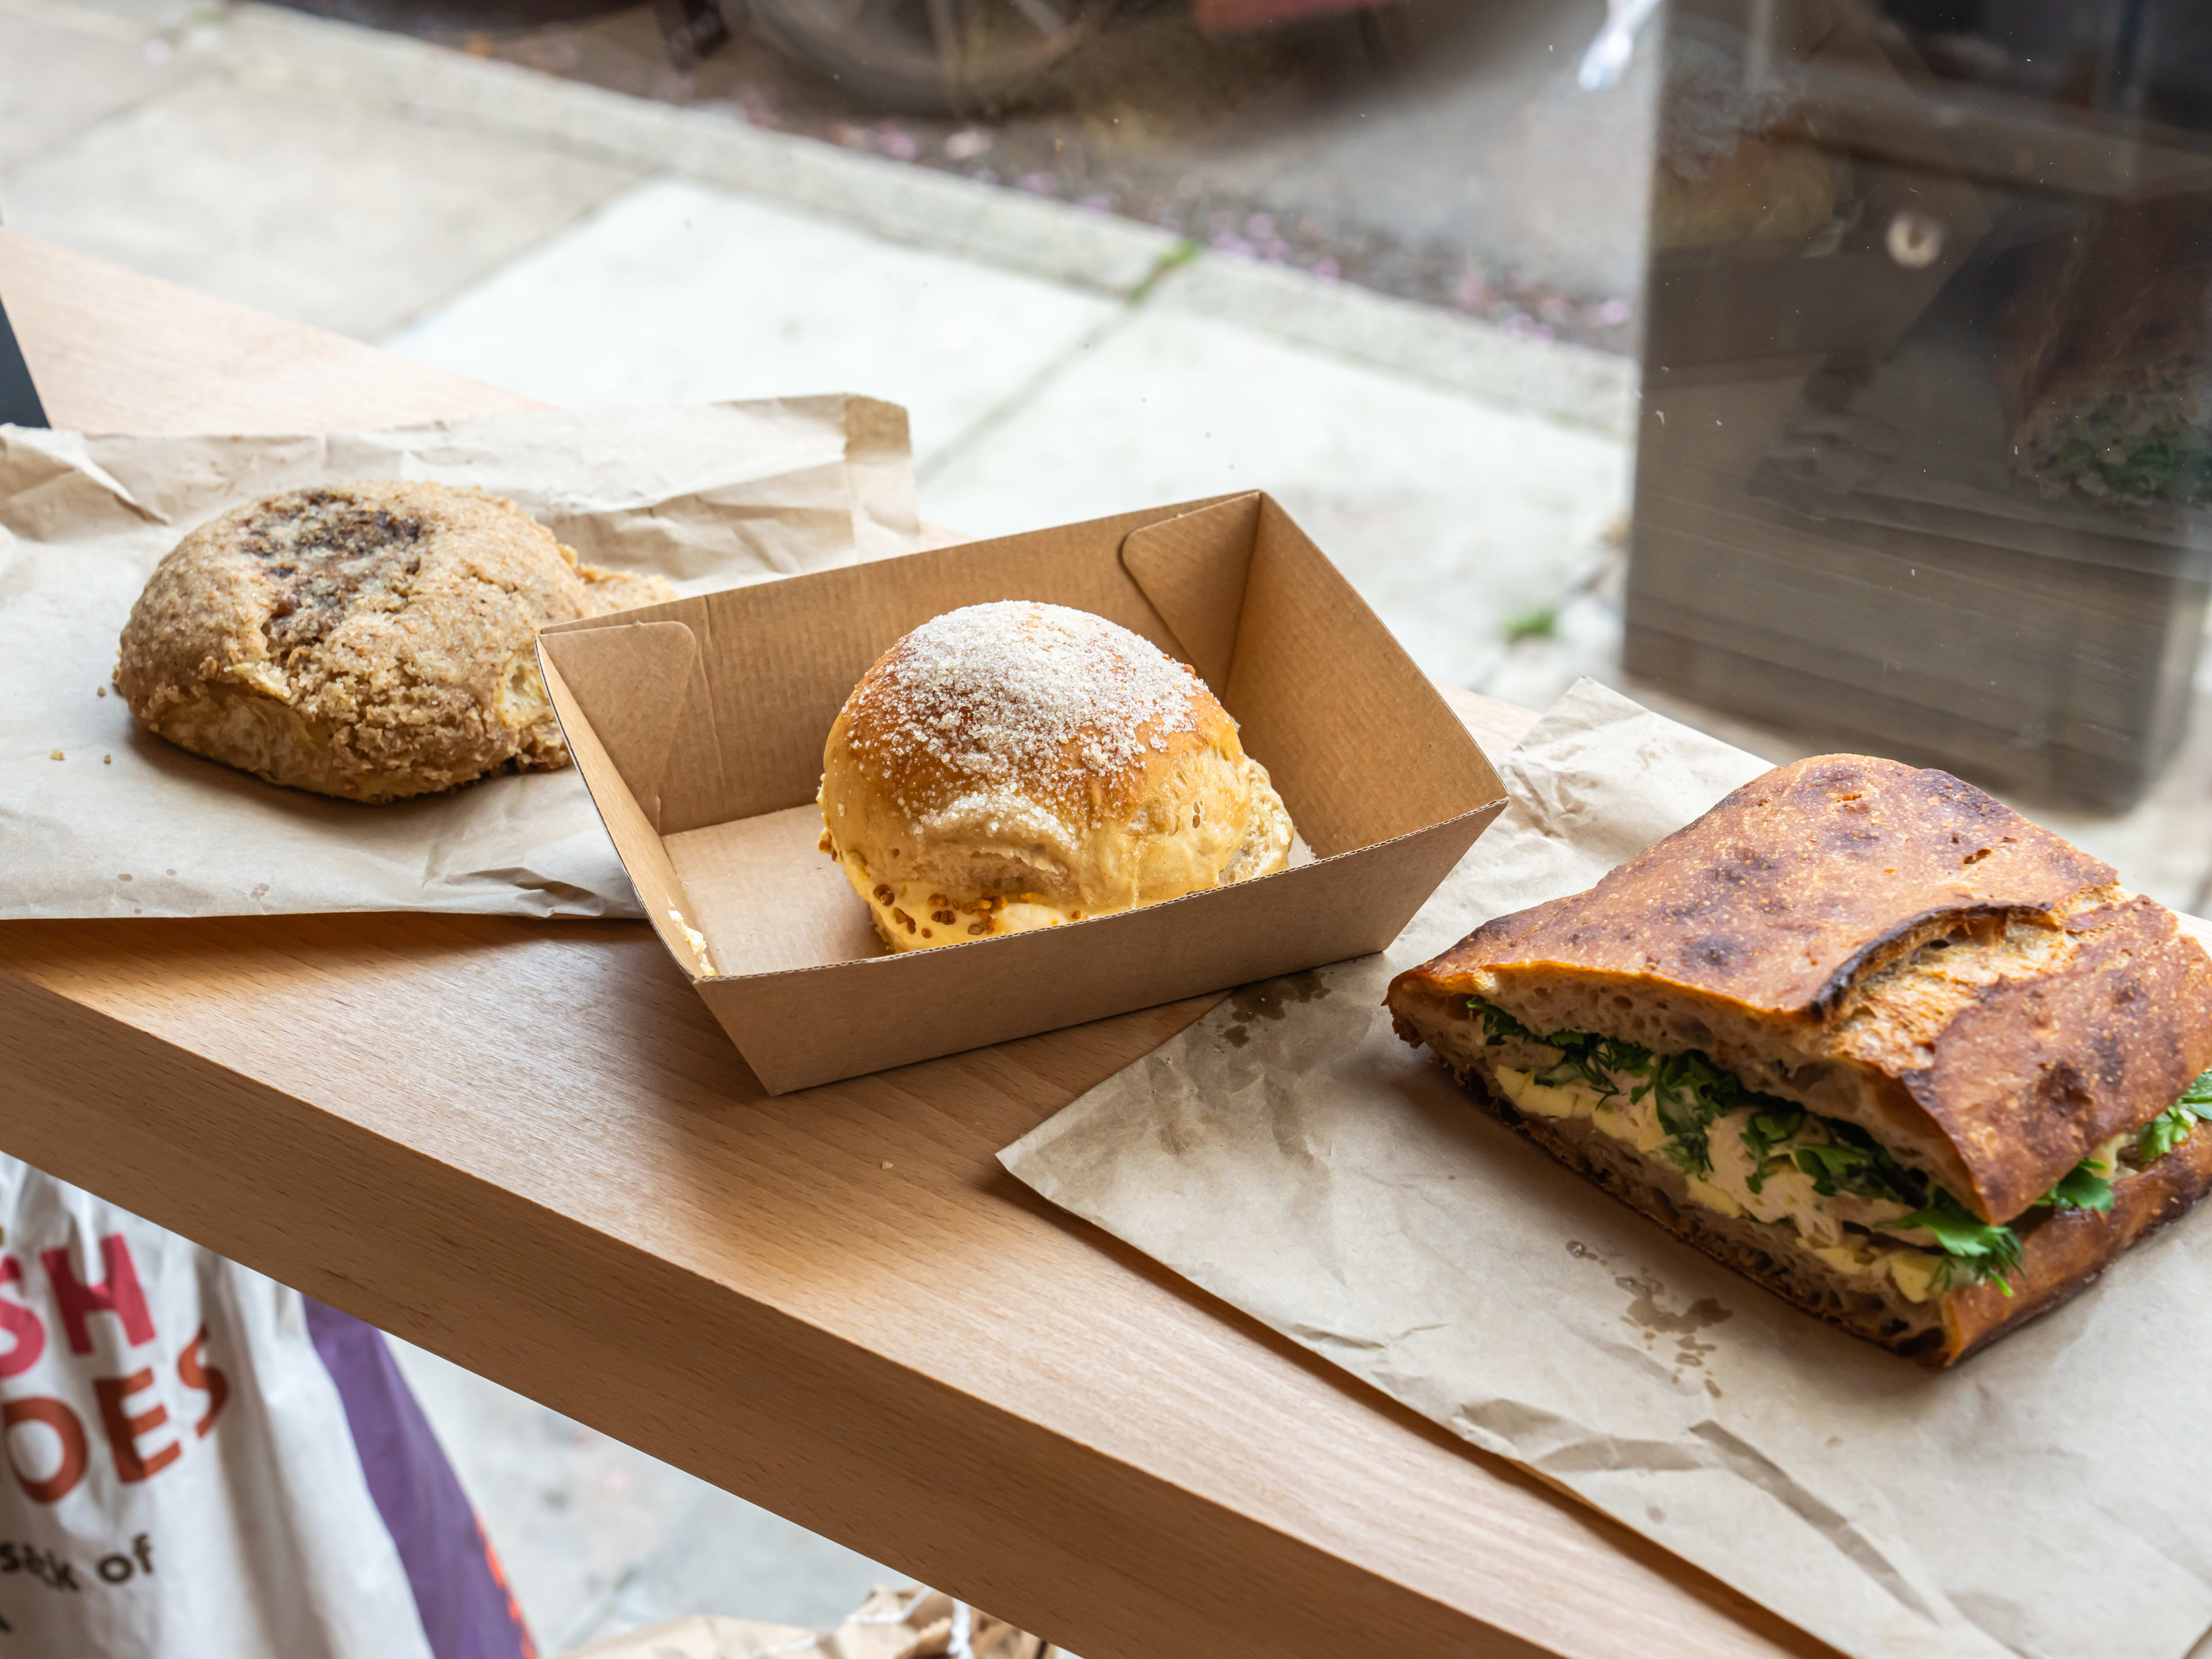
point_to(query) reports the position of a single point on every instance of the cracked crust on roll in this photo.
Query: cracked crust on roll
(370, 640)
(1011, 766)
(2063, 1253)
(1887, 946)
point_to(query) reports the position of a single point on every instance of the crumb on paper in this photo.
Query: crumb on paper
(99, 690)
(696, 940)
(56, 754)
(107, 760)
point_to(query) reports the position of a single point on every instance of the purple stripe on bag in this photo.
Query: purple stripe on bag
(459, 1590)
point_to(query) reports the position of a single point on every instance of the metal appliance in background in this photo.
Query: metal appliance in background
(1926, 446)
(958, 56)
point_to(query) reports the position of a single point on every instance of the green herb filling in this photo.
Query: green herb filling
(1689, 1094)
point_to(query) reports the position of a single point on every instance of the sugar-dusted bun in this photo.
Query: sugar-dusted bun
(1013, 766)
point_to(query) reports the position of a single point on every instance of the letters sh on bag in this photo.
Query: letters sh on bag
(47, 1308)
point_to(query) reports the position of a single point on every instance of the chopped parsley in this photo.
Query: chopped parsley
(1770, 1127)
(1689, 1094)
(2079, 1188)
(1499, 1027)
(2172, 1126)
(1972, 1248)
(1856, 1163)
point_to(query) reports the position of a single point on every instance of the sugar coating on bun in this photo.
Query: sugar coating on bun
(1018, 765)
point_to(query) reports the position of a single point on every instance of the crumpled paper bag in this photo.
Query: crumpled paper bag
(2052, 1496)
(892, 1624)
(100, 818)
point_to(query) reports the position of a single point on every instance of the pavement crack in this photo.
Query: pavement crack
(994, 420)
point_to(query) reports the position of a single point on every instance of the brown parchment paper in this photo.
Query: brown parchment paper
(2051, 1497)
(124, 824)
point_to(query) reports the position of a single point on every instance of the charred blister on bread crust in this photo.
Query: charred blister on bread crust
(1876, 920)
(2033, 1071)
(1801, 881)
(2065, 1253)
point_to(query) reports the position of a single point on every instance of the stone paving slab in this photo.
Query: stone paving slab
(56, 81)
(1005, 228)
(678, 292)
(1570, 383)
(431, 84)
(1486, 139)
(597, 1539)
(1450, 515)
(304, 207)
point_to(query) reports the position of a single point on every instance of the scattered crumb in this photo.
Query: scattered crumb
(887, 1164)
(56, 754)
(123, 875)
(99, 690)
(696, 940)
(107, 760)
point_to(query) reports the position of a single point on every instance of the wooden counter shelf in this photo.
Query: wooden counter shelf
(527, 1146)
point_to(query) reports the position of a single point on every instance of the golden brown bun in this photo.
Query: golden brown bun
(370, 640)
(1017, 765)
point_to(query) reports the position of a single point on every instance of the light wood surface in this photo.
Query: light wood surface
(527, 1147)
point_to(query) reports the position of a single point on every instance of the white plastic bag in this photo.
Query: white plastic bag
(203, 1464)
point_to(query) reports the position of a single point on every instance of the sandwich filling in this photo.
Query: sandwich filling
(1827, 1186)
(2166, 459)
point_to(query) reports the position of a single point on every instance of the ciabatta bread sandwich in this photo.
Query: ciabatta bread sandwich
(1864, 1033)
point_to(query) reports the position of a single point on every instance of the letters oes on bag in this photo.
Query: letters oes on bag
(48, 1448)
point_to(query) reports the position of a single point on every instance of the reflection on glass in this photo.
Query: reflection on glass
(1925, 451)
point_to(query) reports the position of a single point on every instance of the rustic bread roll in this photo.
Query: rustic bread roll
(1862, 1032)
(370, 640)
(1015, 766)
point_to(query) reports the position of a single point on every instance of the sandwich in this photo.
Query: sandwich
(1862, 1033)
(2105, 349)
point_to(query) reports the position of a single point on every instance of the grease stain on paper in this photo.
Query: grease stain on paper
(1269, 1000)
(1647, 1315)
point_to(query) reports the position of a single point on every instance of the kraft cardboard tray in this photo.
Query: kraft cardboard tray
(698, 727)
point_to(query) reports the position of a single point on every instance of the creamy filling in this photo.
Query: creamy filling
(1841, 1194)
(1746, 1180)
